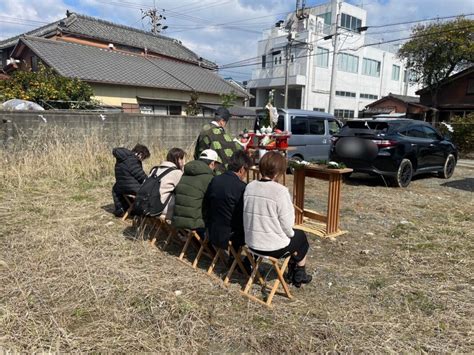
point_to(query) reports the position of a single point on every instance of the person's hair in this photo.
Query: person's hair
(141, 150)
(174, 155)
(238, 160)
(272, 164)
(207, 161)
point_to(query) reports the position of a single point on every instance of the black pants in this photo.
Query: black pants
(299, 244)
(120, 203)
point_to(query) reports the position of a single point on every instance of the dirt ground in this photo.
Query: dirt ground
(72, 278)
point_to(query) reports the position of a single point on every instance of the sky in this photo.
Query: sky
(223, 31)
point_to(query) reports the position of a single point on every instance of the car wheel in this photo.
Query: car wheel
(291, 169)
(404, 174)
(448, 169)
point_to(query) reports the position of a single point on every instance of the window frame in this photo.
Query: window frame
(367, 66)
(398, 72)
(322, 56)
(343, 62)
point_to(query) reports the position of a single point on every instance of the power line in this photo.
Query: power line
(417, 21)
(353, 49)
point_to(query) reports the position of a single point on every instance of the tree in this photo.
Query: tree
(45, 85)
(192, 107)
(437, 50)
(228, 100)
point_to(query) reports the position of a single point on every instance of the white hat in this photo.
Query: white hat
(210, 154)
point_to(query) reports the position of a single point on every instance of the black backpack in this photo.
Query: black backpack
(148, 199)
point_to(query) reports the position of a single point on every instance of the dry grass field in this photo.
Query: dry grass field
(73, 279)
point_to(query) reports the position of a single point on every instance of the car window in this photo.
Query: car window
(430, 133)
(333, 127)
(299, 125)
(316, 127)
(416, 132)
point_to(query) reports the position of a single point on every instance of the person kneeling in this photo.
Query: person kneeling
(269, 217)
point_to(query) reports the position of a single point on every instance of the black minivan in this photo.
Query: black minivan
(394, 148)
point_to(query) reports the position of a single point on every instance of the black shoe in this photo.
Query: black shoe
(119, 213)
(301, 277)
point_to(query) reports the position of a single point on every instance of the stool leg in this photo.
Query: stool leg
(214, 261)
(252, 275)
(198, 256)
(186, 245)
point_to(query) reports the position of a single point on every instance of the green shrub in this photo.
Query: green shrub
(463, 132)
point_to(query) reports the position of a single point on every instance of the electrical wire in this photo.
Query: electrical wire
(418, 21)
(355, 49)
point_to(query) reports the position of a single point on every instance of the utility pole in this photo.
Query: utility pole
(287, 64)
(300, 15)
(155, 20)
(332, 90)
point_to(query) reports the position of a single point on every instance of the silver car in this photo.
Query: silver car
(311, 132)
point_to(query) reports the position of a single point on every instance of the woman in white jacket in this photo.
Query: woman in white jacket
(269, 217)
(175, 159)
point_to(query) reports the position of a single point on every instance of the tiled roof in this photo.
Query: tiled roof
(94, 64)
(404, 98)
(93, 28)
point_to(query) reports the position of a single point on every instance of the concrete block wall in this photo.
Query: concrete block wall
(114, 128)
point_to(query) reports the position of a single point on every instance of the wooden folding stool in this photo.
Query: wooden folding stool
(130, 200)
(220, 255)
(193, 236)
(158, 224)
(279, 265)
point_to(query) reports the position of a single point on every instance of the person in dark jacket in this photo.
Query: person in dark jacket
(189, 193)
(225, 194)
(129, 174)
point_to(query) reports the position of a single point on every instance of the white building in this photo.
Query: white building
(364, 73)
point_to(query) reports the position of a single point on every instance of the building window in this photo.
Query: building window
(339, 113)
(348, 63)
(395, 72)
(175, 110)
(322, 57)
(327, 18)
(470, 87)
(368, 96)
(318, 109)
(279, 60)
(276, 60)
(34, 63)
(161, 110)
(350, 22)
(346, 93)
(264, 61)
(371, 67)
(292, 58)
